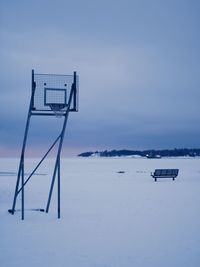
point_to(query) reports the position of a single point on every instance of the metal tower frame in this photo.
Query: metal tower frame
(21, 182)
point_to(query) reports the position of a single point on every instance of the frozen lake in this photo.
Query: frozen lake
(107, 219)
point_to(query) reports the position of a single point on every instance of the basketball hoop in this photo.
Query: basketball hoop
(57, 109)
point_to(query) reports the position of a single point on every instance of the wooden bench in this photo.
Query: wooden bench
(165, 173)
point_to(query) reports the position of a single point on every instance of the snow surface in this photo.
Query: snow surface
(108, 219)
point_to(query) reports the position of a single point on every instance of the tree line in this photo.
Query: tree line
(177, 152)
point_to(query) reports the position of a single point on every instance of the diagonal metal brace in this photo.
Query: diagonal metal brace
(32, 173)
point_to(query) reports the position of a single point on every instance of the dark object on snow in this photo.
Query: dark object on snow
(121, 172)
(11, 211)
(165, 173)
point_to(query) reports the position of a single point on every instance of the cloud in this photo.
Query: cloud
(138, 64)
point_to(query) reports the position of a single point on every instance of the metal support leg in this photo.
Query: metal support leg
(21, 165)
(22, 192)
(12, 211)
(58, 173)
(52, 185)
(57, 161)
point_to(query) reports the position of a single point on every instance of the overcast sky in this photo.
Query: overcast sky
(138, 63)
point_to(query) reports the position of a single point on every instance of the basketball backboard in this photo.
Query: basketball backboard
(54, 92)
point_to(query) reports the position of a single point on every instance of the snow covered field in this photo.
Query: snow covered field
(107, 219)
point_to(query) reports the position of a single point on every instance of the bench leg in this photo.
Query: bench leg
(173, 178)
(155, 179)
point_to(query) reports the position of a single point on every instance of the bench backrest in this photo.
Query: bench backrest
(166, 172)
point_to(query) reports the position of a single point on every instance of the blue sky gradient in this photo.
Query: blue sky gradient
(138, 62)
